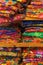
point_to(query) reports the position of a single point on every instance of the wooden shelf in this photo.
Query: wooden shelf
(32, 19)
(21, 44)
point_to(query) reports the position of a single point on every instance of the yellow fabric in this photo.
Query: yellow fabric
(19, 0)
(3, 64)
(29, 64)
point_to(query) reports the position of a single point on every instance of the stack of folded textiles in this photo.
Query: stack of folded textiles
(5, 12)
(33, 34)
(11, 13)
(9, 35)
(33, 31)
(33, 56)
(34, 11)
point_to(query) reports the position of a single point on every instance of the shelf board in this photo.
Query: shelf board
(30, 18)
(21, 44)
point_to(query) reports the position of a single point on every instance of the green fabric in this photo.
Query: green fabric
(34, 34)
(39, 64)
(41, 10)
(28, 40)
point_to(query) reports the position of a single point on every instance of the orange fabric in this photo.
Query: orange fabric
(8, 63)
